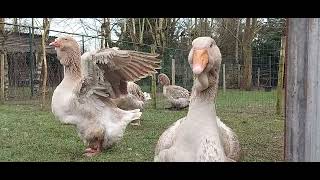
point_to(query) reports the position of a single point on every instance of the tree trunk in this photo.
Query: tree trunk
(4, 52)
(133, 26)
(6, 76)
(103, 39)
(46, 26)
(141, 30)
(105, 30)
(151, 31)
(1, 25)
(38, 60)
(206, 30)
(249, 33)
(247, 75)
(108, 29)
(15, 22)
(158, 33)
(125, 25)
(237, 43)
(133, 34)
(162, 33)
(189, 29)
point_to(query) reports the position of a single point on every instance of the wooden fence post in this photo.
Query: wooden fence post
(239, 78)
(302, 130)
(279, 105)
(153, 84)
(224, 77)
(258, 81)
(270, 74)
(173, 71)
(2, 78)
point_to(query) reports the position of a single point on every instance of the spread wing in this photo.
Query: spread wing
(108, 70)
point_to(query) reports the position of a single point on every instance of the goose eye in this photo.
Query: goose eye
(211, 44)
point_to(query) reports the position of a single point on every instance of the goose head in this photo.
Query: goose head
(203, 55)
(205, 59)
(66, 47)
(163, 79)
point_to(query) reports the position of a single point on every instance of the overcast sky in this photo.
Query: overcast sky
(84, 26)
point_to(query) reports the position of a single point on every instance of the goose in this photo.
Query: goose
(176, 95)
(83, 101)
(136, 99)
(198, 136)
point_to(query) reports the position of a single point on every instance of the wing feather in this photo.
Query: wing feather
(120, 66)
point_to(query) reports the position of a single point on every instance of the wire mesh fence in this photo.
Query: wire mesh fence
(24, 67)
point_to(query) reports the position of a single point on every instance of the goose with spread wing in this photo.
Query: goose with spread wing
(86, 102)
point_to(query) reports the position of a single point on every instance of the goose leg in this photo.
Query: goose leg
(93, 151)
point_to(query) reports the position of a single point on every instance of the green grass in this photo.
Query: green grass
(29, 134)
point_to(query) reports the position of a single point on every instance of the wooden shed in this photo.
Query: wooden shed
(17, 47)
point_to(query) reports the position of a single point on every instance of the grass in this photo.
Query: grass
(30, 134)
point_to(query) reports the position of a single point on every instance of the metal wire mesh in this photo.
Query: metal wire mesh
(23, 89)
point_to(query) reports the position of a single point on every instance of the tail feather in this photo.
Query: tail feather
(131, 115)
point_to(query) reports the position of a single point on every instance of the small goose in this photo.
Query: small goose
(176, 95)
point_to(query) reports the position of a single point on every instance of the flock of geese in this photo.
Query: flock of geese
(99, 96)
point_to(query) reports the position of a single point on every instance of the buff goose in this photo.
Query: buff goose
(176, 95)
(198, 136)
(83, 101)
(136, 99)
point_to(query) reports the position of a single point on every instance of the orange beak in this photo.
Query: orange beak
(200, 60)
(55, 43)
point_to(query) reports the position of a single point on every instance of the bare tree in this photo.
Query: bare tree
(248, 36)
(162, 30)
(44, 38)
(141, 30)
(4, 52)
(15, 27)
(237, 42)
(1, 25)
(123, 29)
(39, 63)
(106, 33)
